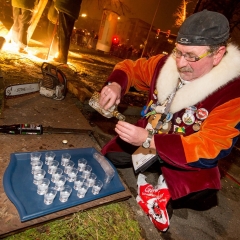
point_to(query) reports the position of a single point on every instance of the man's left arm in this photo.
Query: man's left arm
(213, 141)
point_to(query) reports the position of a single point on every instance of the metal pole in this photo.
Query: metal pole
(150, 29)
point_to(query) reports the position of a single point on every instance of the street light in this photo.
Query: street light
(145, 43)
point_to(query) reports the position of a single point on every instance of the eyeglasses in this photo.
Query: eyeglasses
(190, 58)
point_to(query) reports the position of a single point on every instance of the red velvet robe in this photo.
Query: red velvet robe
(191, 158)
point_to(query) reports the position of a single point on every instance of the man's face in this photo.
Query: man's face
(190, 71)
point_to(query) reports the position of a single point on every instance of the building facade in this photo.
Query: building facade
(135, 32)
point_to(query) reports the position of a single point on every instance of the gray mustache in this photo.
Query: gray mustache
(185, 69)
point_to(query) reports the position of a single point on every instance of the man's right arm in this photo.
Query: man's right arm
(126, 74)
(137, 74)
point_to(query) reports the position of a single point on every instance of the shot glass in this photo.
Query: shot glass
(56, 175)
(60, 182)
(91, 179)
(36, 165)
(35, 156)
(38, 175)
(53, 165)
(42, 187)
(50, 195)
(72, 174)
(78, 182)
(87, 171)
(65, 193)
(68, 166)
(49, 157)
(97, 186)
(82, 191)
(65, 158)
(82, 162)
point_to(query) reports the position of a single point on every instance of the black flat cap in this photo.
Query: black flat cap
(203, 29)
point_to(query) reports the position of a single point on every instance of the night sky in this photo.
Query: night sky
(145, 10)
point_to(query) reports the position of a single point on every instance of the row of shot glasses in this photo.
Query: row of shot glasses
(82, 177)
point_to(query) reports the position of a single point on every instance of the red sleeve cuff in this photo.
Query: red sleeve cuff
(119, 77)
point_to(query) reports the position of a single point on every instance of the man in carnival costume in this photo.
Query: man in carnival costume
(194, 99)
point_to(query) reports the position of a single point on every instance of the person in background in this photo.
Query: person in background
(155, 44)
(80, 34)
(192, 117)
(68, 12)
(129, 52)
(22, 15)
(95, 39)
(90, 40)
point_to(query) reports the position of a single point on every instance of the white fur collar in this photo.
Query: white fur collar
(199, 89)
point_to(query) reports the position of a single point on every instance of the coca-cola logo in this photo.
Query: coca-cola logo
(148, 190)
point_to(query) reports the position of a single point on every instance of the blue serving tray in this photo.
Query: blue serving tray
(19, 187)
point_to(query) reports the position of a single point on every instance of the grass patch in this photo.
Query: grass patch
(111, 222)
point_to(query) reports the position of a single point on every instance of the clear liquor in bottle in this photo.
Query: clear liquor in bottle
(111, 112)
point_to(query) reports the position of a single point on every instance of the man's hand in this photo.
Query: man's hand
(131, 133)
(110, 95)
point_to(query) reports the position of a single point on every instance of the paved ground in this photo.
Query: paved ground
(221, 216)
(216, 218)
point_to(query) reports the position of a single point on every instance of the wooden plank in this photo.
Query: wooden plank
(36, 17)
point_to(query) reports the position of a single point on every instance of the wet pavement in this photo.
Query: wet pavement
(216, 218)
